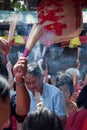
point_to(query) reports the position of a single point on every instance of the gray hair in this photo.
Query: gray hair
(34, 70)
(72, 71)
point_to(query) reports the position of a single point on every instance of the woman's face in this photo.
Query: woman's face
(4, 111)
(66, 92)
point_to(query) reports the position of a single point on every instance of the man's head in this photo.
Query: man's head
(4, 101)
(33, 78)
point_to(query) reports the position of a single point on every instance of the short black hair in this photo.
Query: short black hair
(43, 119)
(82, 98)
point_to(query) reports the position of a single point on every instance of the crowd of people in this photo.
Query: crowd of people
(28, 98)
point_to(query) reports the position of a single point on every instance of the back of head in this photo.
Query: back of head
(43, 119)
(73, 71)
(4, 88)
(82, 98)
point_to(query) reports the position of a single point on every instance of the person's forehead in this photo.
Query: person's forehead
(30, 77)
(63, 86)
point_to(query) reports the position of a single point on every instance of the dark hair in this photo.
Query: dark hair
(82, 98)
(65, 80)
(43, 119)
(34, 70)
(4, 88)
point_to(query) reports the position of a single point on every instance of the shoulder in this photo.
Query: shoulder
(51, 88)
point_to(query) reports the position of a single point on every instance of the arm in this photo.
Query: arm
(44, 50)
(37, 96)
(40, 63)
(22, 95)
(75, 80)
(40, 104)
(10, 74)
(77, 59)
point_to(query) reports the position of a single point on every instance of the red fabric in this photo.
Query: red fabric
(83, 39)
(76, 120)
(85, 125)
(14, 123)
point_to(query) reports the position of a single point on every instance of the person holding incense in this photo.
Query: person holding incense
(20, 101)
(5, 44)
(43, 65)
(49, 94)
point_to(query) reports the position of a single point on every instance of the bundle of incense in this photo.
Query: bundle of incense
(12, 27)
(33, 37)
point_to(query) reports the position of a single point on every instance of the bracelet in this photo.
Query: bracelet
(19, 83)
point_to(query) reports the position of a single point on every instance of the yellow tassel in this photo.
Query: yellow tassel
(74, 42)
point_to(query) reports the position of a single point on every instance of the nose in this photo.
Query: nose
(31, 86)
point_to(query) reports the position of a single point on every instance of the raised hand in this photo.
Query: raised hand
(4, 46)
(20, 68)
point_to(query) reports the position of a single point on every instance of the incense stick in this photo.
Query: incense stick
(12, 26)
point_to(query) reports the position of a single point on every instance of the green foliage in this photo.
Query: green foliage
(17, 5)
